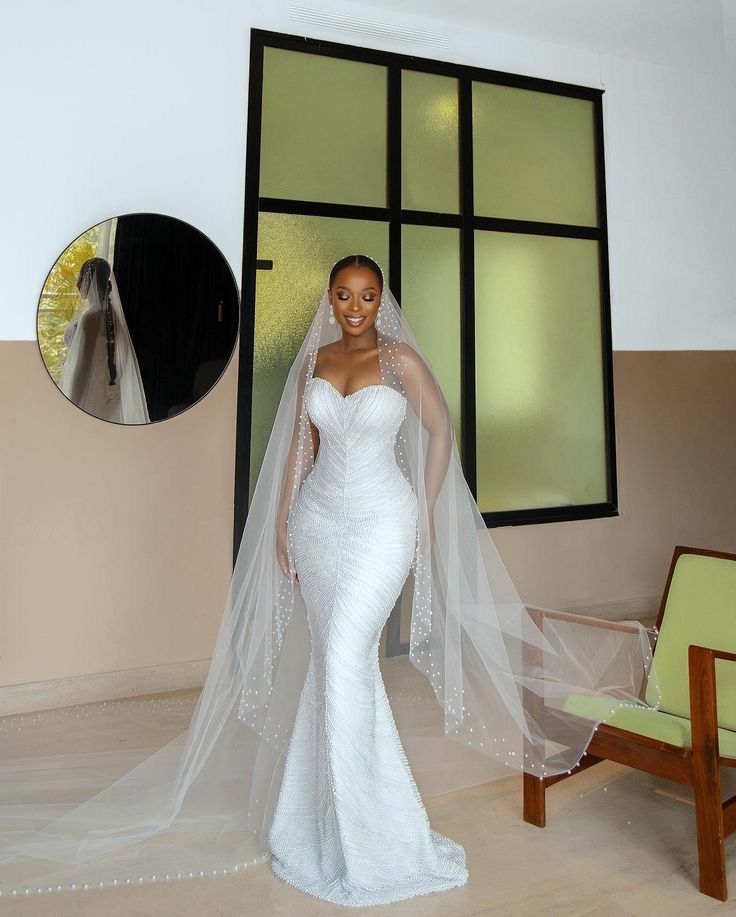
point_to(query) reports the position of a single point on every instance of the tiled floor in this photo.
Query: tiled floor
(617, 842)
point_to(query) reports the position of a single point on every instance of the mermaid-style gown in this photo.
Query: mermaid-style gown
(349, 824)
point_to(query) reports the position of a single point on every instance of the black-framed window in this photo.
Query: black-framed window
(482, 194)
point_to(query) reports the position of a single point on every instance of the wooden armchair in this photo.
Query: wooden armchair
(693, 734)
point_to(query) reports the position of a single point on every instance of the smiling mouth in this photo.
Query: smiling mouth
(355, 320)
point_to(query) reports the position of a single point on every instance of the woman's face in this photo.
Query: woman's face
(355, 296)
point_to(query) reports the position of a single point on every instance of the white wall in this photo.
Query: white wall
(142, 106)
(107, 112)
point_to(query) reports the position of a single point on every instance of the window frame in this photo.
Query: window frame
(395, 217)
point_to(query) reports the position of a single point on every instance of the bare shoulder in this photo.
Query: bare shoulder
(318, 359)
(407, 351)
(322, 352)
(410, 357)
(327, 348)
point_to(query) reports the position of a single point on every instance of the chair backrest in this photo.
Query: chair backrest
(698, 606)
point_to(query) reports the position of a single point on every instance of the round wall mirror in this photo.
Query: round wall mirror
(138, 318)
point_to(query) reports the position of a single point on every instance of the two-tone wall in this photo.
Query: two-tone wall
(115, 543)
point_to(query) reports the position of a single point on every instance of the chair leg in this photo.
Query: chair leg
(706, 772)
(534, 801)
(709, 823)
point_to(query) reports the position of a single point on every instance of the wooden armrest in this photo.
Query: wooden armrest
(712, 652)
(703, 698)
(579, 619)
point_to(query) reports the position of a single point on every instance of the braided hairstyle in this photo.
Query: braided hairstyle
(97, 270)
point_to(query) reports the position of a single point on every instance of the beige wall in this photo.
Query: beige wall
(676, 456)
(115, 543)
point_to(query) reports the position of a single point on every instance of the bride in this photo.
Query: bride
(349, 824)
(293, 755)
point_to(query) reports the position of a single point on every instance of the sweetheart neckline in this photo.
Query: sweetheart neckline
(357, 390)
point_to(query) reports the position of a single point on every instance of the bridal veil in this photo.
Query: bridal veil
(193, 795)
(101, 373)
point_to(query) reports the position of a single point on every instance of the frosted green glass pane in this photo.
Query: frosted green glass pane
(323, 133)
(430, 299)
(539, 374)
(430, 170)
(303, 249)
(533, 155)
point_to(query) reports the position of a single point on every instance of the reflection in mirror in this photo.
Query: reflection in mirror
(100, 373)
(138, 318)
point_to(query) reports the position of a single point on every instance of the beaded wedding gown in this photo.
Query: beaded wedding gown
(349, 825)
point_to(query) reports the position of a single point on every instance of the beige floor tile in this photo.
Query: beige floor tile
(617, 843)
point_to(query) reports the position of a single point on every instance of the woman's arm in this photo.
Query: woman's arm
(429, 403)
(87, 330)
(290, 473)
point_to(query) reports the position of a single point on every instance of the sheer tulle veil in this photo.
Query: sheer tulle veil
(111, 347)
(485, 680)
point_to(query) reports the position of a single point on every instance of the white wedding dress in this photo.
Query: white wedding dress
(349, 824)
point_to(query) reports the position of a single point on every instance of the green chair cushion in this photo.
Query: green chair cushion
(644, 721)
(701, 609)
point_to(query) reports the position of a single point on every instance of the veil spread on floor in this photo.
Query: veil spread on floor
(101, 373)
(481, 693)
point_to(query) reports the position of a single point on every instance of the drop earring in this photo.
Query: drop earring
(332, 316)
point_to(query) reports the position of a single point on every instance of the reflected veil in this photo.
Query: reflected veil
(101, 373)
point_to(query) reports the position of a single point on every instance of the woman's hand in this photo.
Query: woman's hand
(282, 553)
